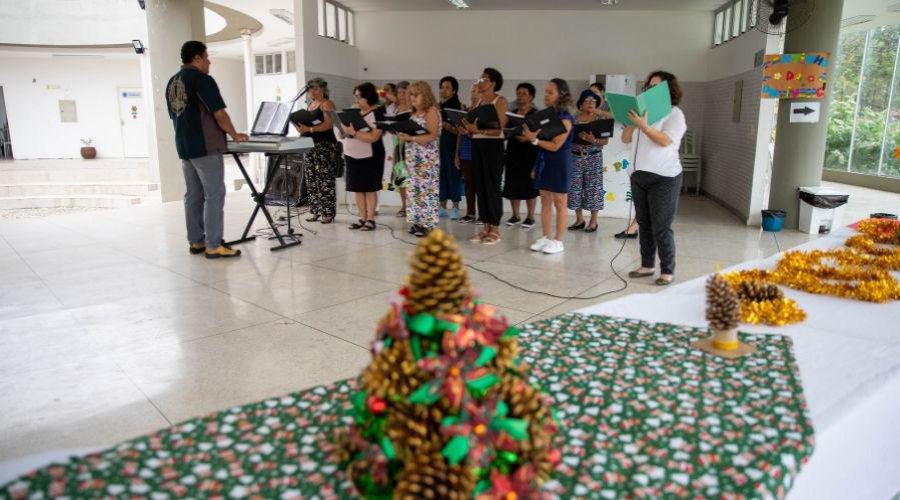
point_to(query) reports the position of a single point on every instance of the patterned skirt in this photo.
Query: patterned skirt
(586, 190)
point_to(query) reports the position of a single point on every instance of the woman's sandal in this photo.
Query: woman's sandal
(491, 239)
(664, 282)
(591, 229)
(368, 226)
(478, 238)
(313, 218)
(358, 225)
(640, 274)
(576, 227)
(327, 220)
(421, 232)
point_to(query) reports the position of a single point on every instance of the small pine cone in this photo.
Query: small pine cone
(723, 308)
(428, 476)
(507, 350)
(393, 373)
(523, 400)
(343, 447)
(758, 291)
(414, 430)
(438, 282)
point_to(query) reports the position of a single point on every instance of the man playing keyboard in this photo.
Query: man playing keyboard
(198, 113)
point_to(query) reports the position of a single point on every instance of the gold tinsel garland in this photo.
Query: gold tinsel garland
(777, 311)
(881, 230)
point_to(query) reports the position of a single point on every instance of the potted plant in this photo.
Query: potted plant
(88, 152)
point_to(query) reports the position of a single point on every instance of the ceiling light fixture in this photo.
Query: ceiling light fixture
(852, 21)
(285, 15)
(609, 3)
(459, 4)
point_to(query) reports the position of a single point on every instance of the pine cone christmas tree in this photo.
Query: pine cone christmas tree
(439, 282)
(723, 308)
(758, 291)
(443, 399)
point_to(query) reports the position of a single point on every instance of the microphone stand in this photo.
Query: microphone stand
(287, 200)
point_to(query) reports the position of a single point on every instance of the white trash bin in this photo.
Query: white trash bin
(821, 209)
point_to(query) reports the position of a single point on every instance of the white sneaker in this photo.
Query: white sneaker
(553, 246)
(539, 245)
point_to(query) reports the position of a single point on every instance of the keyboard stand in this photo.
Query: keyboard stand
(259, 197)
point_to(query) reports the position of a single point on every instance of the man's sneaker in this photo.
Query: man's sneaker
(512, 221)
(222, 252)
(454, 214)
(528, 223)
(442, 213)
(553, 246)
(197, 248)
(538, 246)
(467, 219)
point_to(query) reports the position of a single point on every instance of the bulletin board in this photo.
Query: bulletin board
(795, 76)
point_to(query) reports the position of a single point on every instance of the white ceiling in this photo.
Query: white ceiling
(364, 5)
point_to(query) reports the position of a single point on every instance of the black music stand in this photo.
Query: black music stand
(259, 197)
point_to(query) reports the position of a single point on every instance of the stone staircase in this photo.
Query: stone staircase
(100, 183)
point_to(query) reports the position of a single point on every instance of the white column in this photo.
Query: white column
(147, 85)
(305, 24)
(255, 160)
(249, 64)
(170, 23)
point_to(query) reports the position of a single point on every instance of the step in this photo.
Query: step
(70, 201)
(79, 188)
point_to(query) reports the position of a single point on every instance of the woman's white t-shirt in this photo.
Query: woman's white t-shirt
(661, 160)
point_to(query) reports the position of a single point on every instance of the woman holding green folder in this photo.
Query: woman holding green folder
(656, 180)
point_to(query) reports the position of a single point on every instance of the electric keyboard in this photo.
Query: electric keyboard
(282, 145)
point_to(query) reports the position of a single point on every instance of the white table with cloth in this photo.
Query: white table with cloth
(848, 352)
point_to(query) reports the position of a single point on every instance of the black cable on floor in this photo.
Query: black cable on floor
(521, 288)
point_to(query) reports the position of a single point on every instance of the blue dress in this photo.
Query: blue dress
(553, 170)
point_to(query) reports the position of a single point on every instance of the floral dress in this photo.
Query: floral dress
(423, 165)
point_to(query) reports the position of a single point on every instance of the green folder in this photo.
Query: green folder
(656, 102)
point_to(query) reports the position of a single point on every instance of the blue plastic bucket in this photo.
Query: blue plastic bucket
(773, 220)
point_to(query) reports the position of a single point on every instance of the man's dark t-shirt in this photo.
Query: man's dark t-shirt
(192, 97)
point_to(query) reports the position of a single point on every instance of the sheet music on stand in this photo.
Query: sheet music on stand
(272, 118)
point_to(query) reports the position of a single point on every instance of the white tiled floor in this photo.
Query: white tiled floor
(110, 329)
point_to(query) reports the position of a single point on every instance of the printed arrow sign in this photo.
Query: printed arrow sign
(805, 112)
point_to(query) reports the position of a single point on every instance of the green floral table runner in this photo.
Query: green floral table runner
(642, 413)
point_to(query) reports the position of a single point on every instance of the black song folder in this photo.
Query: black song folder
(601, 129)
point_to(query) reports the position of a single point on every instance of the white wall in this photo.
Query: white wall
(537, 45)
(736, 166)
(33, 84)
(736, 55)
(323, 55)
(229, 75)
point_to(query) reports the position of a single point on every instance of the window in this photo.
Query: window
(330, 22)
(733, 19)
(864, 116)
(728, 16)
(717, 30)
(736, 18)
(350, 39)
(268, 64)
(291, 62)
(753, 13)
(335, 22)
(342, 24)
